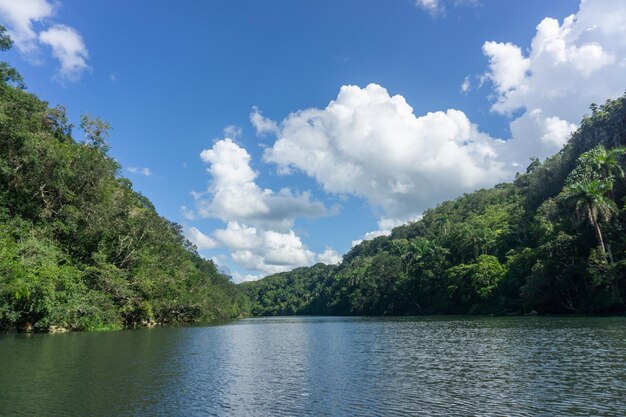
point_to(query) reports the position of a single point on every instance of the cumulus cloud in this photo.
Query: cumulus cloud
(259, 221)
(233, 194)
(239, 278)
(264, 251)
(507, 65)
(257, 249)
(19, 17)
(568, 66)
(68, 47)
(536, 135)
(329, 256)
(370, 144)
(199, 239)
(371, 235)
(385, 227)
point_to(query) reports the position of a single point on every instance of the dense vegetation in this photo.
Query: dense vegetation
(552, 241)
(79, 249)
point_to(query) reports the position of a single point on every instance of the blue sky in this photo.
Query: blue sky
(279, 132)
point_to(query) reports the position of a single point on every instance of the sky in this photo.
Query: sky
(281, 133)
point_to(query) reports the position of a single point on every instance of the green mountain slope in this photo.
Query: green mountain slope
(79, 249)
(552, 241)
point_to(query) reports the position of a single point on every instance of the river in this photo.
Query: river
(324, 366)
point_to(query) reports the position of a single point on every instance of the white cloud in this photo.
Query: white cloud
(264, 251)
(199, 239)
(507, 66)
(259, 221)
(568, 66)
(68, 47)
(66, 43)
(369, 144)
(385, 227)
(376, 233)
(329, 257)
(233, 194)
(238, 237)
(534, 134)
(146, 172)
(19, 16)
(239, 278)
(371, 235)
(389, 223)
(262, 124)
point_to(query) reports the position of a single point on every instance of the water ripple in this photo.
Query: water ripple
(325, 367)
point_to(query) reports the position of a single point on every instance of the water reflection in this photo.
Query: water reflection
(324, 366)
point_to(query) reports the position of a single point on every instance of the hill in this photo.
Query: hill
(552, 241)
(79, 248)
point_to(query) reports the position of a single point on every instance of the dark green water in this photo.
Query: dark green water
(324, 367)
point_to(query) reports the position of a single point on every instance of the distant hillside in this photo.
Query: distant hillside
(552, 241)
(79, 249)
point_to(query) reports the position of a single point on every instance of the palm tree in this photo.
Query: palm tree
(608, 162)
(592, 203)
(600, 163)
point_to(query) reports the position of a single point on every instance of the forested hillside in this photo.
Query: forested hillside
(552, 241)
(79, 249)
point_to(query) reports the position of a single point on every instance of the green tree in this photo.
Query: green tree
(593, 204)
(5, 40)
(96, 131)
(8, 74)
(599, 163)
(608, 161)
(476, 282)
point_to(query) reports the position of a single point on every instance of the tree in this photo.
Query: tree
(8, 74)
(96, 131)
(592, 204)
(534, 164)
(599, 163)
(608, 161)
(590, 186)
(5, 40)
(475, 282)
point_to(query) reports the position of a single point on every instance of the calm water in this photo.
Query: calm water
(324, 366)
